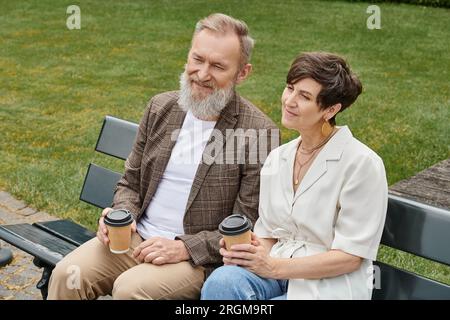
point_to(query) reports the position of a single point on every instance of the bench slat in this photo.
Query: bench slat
(398, 284)
(66, 230)
(99, 185)
(38, 243)
(417, 228)
(116, 137)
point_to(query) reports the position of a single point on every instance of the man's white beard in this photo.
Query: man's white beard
(207, 108)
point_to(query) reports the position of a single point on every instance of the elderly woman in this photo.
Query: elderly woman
(323, 200)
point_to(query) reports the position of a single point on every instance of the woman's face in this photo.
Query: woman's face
(300, 110)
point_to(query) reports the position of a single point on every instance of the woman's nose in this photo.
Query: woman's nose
(289, 100)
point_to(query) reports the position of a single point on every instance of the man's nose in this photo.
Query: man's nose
(203, 73)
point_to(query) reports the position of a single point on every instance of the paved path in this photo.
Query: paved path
(18, 279)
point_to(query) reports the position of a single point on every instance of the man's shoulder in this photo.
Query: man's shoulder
(162, 101)
(252, 117)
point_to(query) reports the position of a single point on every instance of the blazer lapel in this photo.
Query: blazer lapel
(175, 121)
(331, 152)
(286, 168)
(227, 120)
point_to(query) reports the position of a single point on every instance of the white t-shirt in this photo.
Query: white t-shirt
(164, 215)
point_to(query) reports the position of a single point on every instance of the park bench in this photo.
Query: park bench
(410, 226)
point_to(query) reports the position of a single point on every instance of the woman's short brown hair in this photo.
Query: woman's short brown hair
(339, 84)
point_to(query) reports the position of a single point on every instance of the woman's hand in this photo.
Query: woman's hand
(254, 257)
(223, 251)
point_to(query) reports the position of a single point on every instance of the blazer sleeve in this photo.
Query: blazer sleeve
(127, 192)
(362, 208)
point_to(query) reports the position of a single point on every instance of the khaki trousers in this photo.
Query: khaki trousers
(92, 271)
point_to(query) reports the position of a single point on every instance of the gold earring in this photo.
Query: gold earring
(327, 128)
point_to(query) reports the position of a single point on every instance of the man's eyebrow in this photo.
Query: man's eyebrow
(223, 64)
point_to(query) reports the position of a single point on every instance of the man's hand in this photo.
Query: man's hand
(102, 232)
(161, 251)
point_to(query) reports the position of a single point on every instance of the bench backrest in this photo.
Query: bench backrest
(410, 226)
(116, 139)
(421, 230)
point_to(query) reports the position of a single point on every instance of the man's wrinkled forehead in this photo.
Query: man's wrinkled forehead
(220, 47)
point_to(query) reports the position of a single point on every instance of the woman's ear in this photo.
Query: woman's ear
(244, 73)
(331, 111)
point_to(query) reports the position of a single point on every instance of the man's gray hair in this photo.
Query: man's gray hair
(219, 22)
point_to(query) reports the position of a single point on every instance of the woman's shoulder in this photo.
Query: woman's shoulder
(357, 151)
(284, 149)
(360, 148)
(274, 160)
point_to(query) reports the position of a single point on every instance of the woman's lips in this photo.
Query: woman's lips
(290, 113)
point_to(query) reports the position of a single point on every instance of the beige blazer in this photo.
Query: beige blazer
(341, 204)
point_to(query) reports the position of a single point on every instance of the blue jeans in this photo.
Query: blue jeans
(237, 283)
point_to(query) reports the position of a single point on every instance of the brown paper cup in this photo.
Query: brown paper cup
(236, 229)
(119, 223)
(243, 238)
(119, 239)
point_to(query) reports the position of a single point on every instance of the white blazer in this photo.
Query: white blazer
(340, 204)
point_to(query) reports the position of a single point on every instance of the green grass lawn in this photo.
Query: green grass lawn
(57, 85)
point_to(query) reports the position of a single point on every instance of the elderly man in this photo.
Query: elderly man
(178, 184)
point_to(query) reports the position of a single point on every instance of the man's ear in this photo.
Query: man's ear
(331, 111)
(244, 73)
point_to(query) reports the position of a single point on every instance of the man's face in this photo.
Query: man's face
(213, 62)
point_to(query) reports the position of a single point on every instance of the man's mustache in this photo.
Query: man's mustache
(208, 84)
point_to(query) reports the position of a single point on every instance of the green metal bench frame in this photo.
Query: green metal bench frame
(410, 226)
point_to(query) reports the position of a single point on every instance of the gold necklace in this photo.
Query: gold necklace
(308, 151)
(311, 151)
(301, 165)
